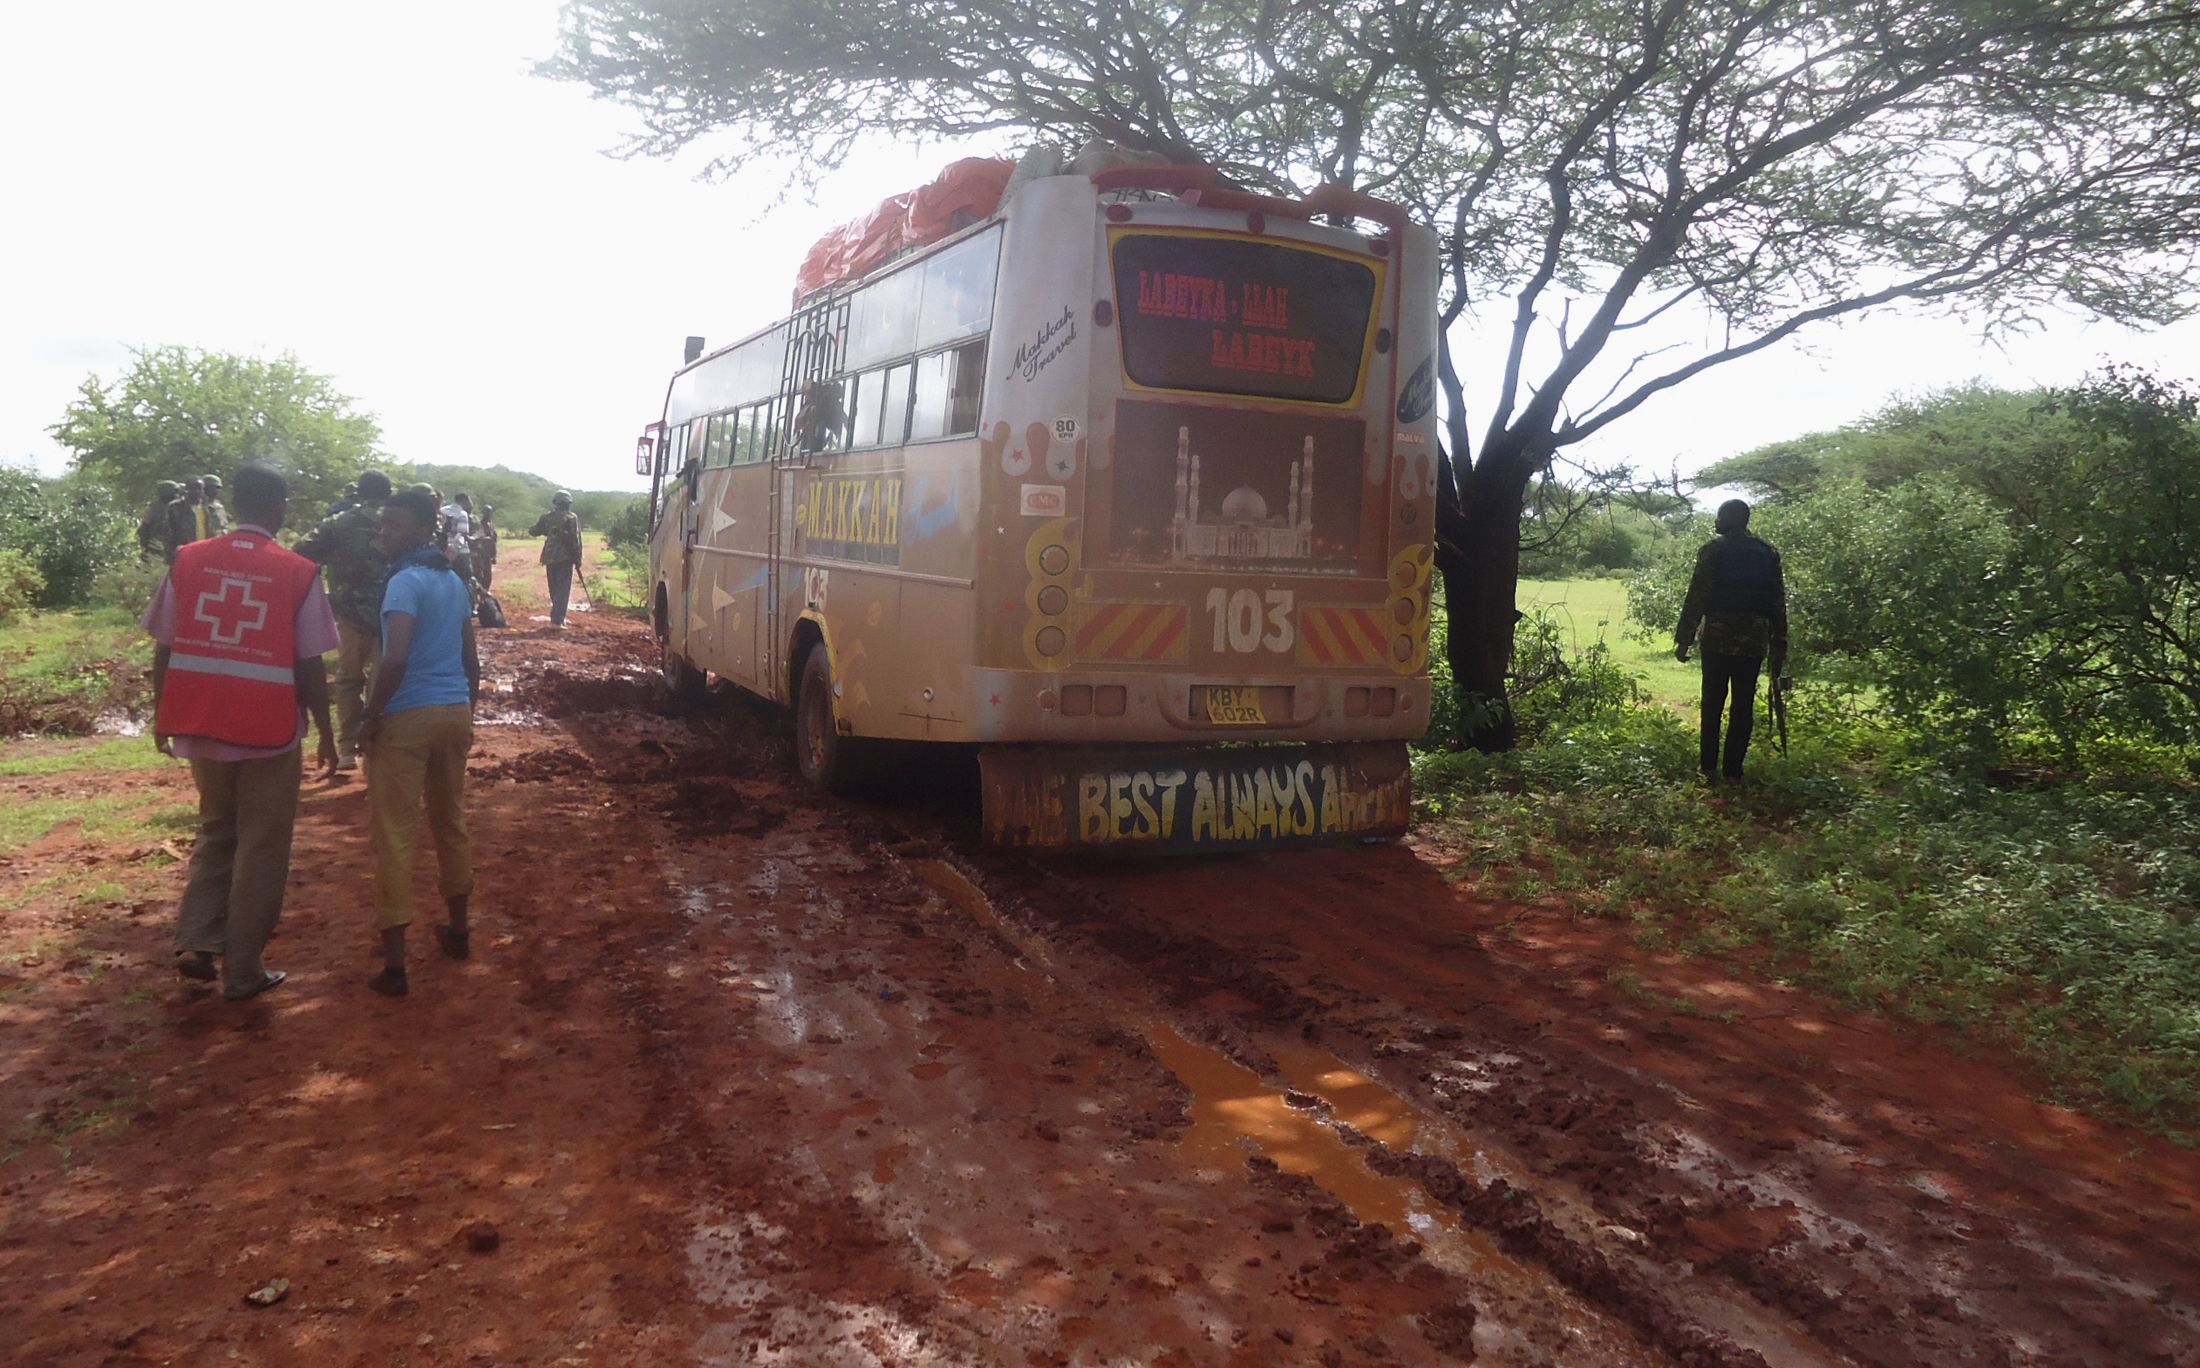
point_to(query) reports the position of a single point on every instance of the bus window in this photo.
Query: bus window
(935, 390)
(1233, 316)
(958, 291)
(715, 446)
(969, 386)
(893, 409)
(882, 319)
(869, 388)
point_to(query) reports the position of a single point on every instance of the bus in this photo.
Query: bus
(1129, 484)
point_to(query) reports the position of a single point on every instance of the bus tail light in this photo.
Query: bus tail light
(1076, 700)
(1109, 700)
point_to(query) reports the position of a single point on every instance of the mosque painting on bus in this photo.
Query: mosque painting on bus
(1197, 485)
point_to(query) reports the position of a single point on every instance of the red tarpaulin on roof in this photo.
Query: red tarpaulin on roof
(968, 190)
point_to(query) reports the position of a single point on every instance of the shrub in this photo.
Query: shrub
(20, 583)
(67, 531)
(629, 526)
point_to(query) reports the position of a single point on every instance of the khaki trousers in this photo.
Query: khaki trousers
(420, 752)
(357, 653)
(247, 809)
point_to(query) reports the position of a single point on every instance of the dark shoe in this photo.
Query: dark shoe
(198, 966)
(456, 944)
(390, 983)
(272, 978)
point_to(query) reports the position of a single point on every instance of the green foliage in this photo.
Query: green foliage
(20, 583)
(518, 497)
(1984, 438)
(2056, 919)
(66, 530)
(178, 412)
(629, 526)
(2001, 566)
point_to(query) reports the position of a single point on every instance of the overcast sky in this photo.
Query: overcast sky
(385, 191)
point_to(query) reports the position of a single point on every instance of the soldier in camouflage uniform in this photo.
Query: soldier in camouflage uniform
(357, 571)
(185, 525)
(560, 530)
(217, 515)
(1738, 597)
(153, 530)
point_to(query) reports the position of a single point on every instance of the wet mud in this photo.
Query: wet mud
(738, 1074)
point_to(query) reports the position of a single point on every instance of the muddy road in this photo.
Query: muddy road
(741, 1075)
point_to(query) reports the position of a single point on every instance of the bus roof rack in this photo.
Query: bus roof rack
(1202, 186)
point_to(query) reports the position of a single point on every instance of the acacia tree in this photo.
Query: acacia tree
(1599, 171)
(179, 412)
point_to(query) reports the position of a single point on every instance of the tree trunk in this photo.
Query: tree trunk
(1478, 555)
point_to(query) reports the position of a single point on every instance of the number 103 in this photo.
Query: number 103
(1246, 620)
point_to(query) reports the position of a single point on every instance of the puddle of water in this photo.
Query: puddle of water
(1230, 1105)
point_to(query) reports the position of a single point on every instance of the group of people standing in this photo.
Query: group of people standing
(182, 513)
(241, 626)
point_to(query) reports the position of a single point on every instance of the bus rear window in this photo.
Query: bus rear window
(1233, 316)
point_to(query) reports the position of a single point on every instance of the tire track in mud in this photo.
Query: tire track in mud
(1109, 1248)
(1877, 1285)
(1700, 1218)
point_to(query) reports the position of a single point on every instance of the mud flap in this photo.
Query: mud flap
(1194, 798)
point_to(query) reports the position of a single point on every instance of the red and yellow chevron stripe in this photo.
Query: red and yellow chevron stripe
(1340, 635)
(1131, 631)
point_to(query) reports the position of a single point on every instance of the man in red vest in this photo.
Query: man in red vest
(241, 625)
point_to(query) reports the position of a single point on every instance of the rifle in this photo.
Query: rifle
(1776, 700)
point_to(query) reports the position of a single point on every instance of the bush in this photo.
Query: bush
(127, 585)
(629, 526)
(66, 530)
(20, 583)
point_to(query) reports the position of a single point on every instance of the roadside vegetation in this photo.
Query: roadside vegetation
(1987, 814)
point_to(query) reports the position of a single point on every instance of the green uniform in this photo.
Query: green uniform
(1735, 615)
(183, 525)
(217, 518)
(560, 530)
(156, 534)
(357, 569)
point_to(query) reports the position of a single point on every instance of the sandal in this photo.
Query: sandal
(272, 978)
(457, 944)
(390, 983)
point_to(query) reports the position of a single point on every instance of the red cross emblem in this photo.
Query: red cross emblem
(232, 616)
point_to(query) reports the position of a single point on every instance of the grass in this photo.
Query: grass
(62, 652)
(124, 815)
(1880, 869)
(1590, 610)
(23, 758)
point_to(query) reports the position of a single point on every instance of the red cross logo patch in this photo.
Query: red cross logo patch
(231, 615)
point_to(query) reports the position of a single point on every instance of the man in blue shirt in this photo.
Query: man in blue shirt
(418, 727)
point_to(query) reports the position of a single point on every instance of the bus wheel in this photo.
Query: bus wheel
(683, 681)
(827, 759)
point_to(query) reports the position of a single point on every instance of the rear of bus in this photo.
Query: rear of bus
(1209, 482)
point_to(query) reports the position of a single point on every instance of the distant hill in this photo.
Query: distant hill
(520, 497)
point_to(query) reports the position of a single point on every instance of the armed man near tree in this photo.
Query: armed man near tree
(240, 626)
(1736, 614)
(560, 530)
(186, 517)
(213, 514)
(153, 535)
(347, 545)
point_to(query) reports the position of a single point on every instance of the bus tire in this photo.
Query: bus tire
(827, 760)
(684, 684)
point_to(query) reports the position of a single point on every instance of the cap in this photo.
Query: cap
(211, 481)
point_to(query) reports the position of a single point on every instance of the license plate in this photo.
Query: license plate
(1234, 707)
